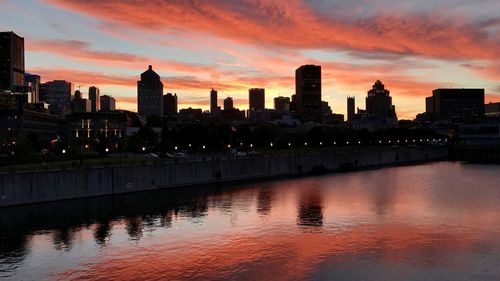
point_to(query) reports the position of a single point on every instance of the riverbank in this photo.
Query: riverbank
(79, 182)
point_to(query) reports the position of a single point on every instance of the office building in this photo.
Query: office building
(308, 93)
(11, 62)
(108, 103)
(150, 94)
(95, 101)
(379, 102)
(32, 83)
(57, 94)
(228, 103)
(492, 109)
(79, 104)
(282, 104)
(169, 104)
(456, 104)
(214, 108)
(351, 108)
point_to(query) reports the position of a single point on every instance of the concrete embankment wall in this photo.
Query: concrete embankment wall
(32, 187)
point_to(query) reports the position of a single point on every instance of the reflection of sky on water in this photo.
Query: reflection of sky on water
(437, 221)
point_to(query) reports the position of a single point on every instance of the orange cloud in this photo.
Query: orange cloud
(296, 24)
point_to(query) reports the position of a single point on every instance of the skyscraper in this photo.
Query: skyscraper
(379, 102)
(213, 102)
(107, 103)
(57, 94)
(308, 92)
(456, 103)
(169, 104)
(79, 104)
(228, 103)
(150, 94)
(282, 104)
(95, 101)
(351, 105)
(11, 62)
(32, 82)
(257, 99)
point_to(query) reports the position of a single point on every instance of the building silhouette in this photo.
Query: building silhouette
(455, 103)
(282, 104)
(214, 108)
(228, 103)
(108, 103)
(79, 104)
(351, 105)
(32, 83)
(150, 94)
(11, 62)
(95, 101)
(169, 104)
(57, 94)
(308, 93)
(379, 102)
(256, 103)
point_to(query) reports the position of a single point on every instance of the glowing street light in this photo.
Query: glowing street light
(271, 144)
(107, 149)
(175, 147)
(64, 151)
(305, 143)
(289, 144)
(203, 147)
(320, 143)
(251, 145)
(143, 148)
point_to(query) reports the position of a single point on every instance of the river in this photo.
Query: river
(437, 221)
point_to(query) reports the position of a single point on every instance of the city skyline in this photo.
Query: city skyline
(85, 43)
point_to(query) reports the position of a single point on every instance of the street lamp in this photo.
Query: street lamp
(203, 147)
(320, 143)
(107, 149)
(289, 144)
(64, 151)
(271, 144)
(305, 144)
(143, 148)
(175, 147)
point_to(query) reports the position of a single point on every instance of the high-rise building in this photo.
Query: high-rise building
(79, 104)
(228, 103)
(282, 104)
(308, 92)
(150, 94)
(456, 103)
(57, 94)
(169, 104)
(213, 102)
(108, 103)
(95, 101)
(379, 102)
(257, 100)
(351, 105)
(11, 62)
(32, 82)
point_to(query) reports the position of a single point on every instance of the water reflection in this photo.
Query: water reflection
(310, 209)
(356, 226)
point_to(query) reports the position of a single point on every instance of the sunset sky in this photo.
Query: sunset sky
(412, 46)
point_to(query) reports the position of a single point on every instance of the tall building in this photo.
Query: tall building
(379, 102)
(11, 62)
(351, 105)
(95, 101)
(282, 104)
(57, 94)
(213, 102)
(150, 94)
(228, 103)
(79, 104)
(169, 104)
(32, 82)
(108, 103)
(456, 103)
(308, 92)
(257, 99)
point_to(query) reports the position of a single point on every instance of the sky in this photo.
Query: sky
(412, 46)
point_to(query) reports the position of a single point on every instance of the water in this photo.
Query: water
(429, 222)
